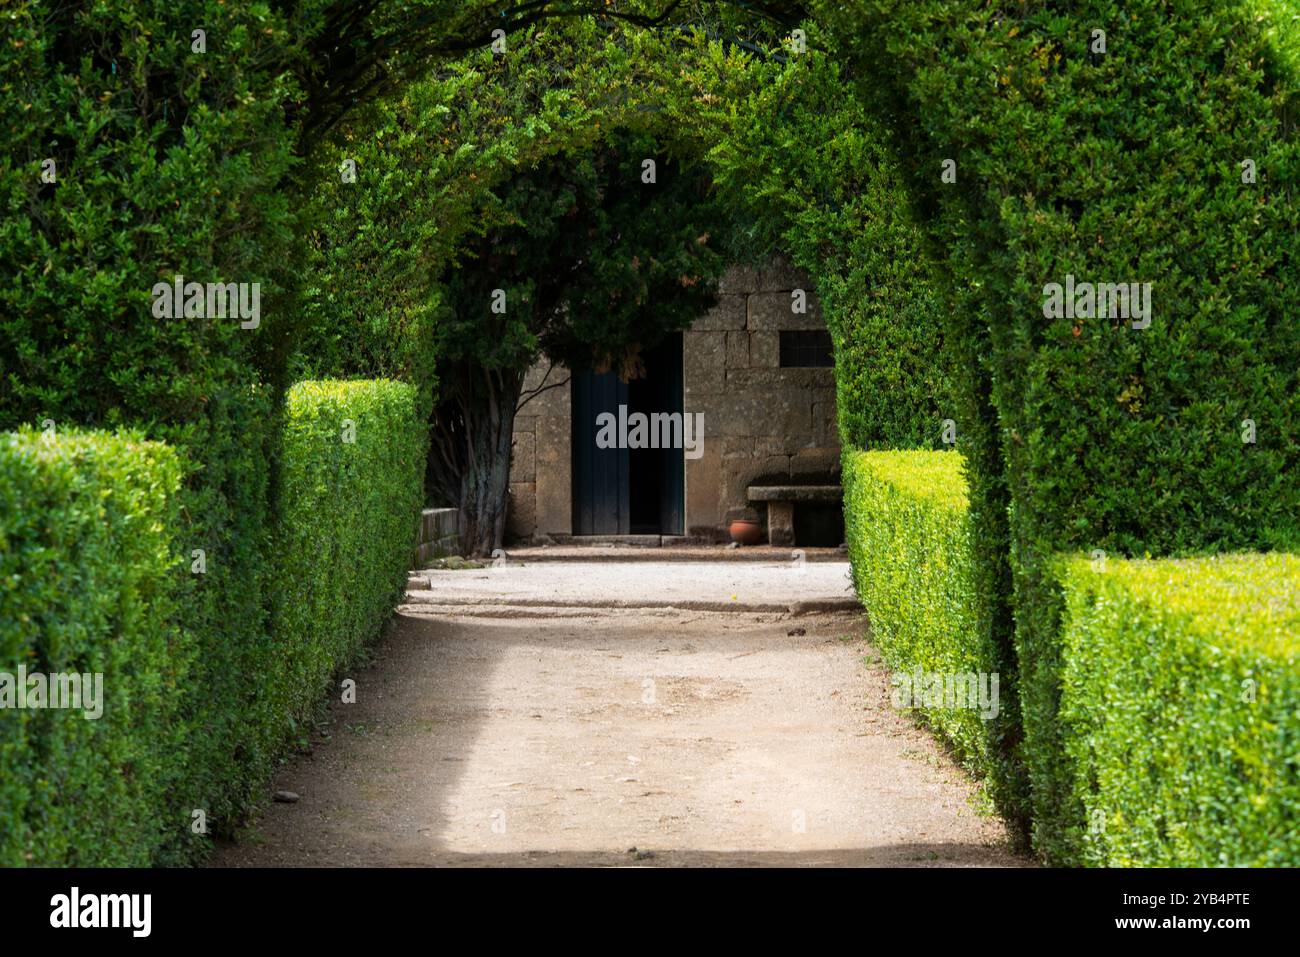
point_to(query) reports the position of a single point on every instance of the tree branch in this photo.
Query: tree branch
(348, 69)
(526, 397)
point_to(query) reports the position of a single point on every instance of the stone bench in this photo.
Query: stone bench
(780, 501)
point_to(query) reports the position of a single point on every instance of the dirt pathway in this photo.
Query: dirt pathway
(560, 734)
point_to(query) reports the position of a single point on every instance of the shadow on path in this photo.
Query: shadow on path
(697, 738)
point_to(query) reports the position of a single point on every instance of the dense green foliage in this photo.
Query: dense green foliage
(352, 472)
(1127, 164)
(907, 525)
(426, 164)
(167, 163)
(808, 168)
(1084, 163)
(594, 261)
(1115, 166)
(1180, 711)
(92, 573)
(86, 527)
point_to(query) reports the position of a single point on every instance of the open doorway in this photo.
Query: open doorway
(623, 490)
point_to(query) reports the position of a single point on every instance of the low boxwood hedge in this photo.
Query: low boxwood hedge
(351, 486)
(86, 526)
(908, 528)
(1174, 683)
(1180, 711)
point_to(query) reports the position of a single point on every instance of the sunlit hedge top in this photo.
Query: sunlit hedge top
(1244, 599)
(935, 477)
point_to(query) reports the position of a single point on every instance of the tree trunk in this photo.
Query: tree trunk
(473, 430)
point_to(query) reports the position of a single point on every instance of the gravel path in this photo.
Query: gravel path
(786, 585)
(695, 737)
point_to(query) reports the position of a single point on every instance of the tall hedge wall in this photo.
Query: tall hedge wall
(1117, 166)
(168, 160)
(87, 521)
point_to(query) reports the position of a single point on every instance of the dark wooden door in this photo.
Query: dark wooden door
(621, 491)
(665, 381)
(600, 485)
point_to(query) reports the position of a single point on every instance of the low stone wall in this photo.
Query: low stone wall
(439, 535)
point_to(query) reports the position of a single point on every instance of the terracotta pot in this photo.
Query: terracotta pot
(745, 531)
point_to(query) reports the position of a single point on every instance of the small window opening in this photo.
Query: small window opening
(806, 349)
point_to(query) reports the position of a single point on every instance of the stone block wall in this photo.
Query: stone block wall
(541, 459)
(762, 424)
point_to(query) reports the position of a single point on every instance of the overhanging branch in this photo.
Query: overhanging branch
(349, 67)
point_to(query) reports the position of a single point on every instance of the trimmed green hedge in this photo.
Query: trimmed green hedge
(162, 172)
(1124, 165)
(908, 528)
(96, 575)
(1180, 711)
(1177, 738)
(86, 526)
(345, 534)
(840, 212)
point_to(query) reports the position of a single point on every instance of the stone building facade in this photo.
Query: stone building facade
(754, 366)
